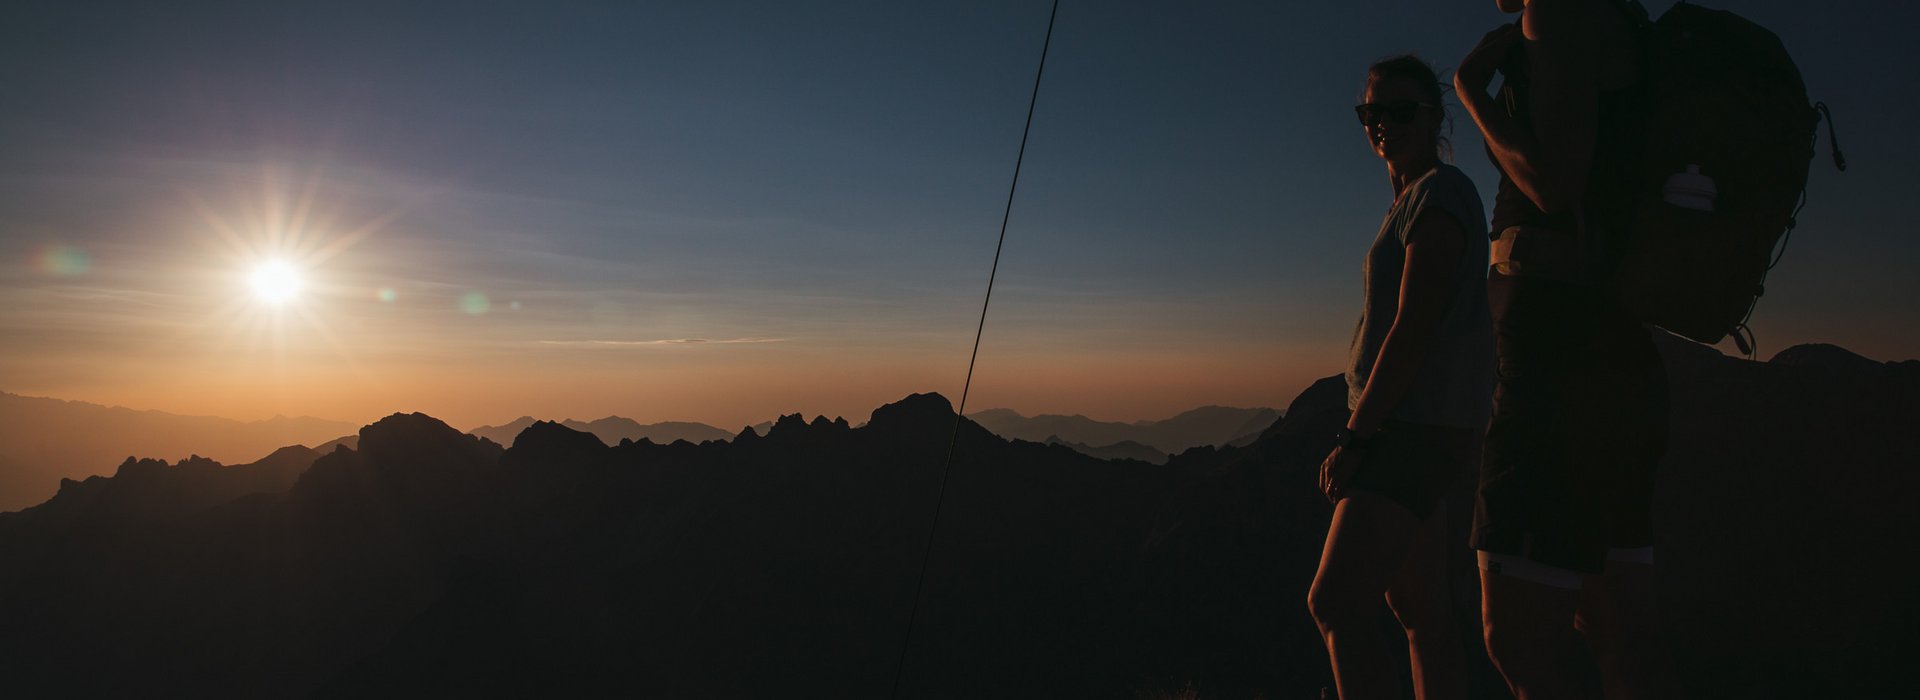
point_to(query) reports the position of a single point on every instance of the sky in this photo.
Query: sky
(727, 211)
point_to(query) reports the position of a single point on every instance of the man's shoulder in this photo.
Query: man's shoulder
(1579, 21)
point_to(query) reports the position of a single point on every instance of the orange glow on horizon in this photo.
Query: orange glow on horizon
(744, 386)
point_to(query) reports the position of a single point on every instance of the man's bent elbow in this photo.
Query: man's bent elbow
(1552, 202)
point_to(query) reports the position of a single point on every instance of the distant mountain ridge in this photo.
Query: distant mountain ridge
(1126, 449)
(154, 488)
(1207, 425)
(45, 440)
(611, 430)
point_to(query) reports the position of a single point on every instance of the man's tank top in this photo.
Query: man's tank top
(1619, 131)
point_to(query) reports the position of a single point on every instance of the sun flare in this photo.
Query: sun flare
(275, 282)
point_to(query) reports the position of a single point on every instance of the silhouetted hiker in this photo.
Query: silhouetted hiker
(1419, 383)
(1563, 517)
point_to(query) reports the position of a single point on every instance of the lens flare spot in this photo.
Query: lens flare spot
(388, 295)
(514, 306)
(475, 303)
(65, 261)
(275, 282)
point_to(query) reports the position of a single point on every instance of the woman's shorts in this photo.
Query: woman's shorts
(1579, 424)
(1413, 464)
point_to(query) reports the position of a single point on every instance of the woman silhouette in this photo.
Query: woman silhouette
(1420, 385)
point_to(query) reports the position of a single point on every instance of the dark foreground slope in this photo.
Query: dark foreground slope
(432, 562)
(429, 560)
(1789, 519)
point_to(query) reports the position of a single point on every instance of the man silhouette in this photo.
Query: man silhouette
(1562, 522)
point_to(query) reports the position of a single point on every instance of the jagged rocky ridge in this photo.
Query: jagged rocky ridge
(611, 430)
(430, 561)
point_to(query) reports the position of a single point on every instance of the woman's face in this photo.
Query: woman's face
(1400, 125)
(1511, 6)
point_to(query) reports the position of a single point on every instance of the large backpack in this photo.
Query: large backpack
(1729, 135)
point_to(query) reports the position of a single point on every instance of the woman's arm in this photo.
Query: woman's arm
(1434, 247)
(1549, 163)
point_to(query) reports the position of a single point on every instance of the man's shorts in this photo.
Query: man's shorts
(1579, 424)
(1413, 464)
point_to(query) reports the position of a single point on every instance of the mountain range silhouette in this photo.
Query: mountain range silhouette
(44, 440)
(429, 561)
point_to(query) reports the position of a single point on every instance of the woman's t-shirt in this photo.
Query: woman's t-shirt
(1454, 386)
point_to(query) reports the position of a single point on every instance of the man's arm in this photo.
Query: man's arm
(1549, 163)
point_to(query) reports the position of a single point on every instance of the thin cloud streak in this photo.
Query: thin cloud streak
(668, 341)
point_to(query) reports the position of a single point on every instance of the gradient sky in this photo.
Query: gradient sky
(508, 209)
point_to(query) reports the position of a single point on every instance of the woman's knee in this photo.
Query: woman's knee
(1332, 607)
(1427, 611)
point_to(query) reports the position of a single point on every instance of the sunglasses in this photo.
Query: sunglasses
(1400, 111)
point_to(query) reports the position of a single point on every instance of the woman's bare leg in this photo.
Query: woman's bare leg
(1366, 543)
(1421, 599)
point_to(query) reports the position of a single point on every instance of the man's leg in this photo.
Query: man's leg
(1619, 613)
(1527, 616)
(1530, 504)
(1620, 618)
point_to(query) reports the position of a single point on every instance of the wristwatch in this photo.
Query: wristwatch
(1346, 438)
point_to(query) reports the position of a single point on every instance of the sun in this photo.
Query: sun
(275, 282)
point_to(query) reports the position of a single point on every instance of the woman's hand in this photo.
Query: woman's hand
(1338, 469)
(1476, 70)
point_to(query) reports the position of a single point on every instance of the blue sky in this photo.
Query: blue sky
(823, 179)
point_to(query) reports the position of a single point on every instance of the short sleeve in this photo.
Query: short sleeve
(1449, 191)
